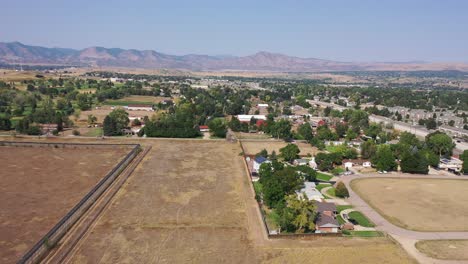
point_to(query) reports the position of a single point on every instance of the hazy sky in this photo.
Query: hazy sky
(347, 30)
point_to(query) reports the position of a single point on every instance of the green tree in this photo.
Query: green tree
(91, 119)
(350, 134)
(373, 130)
(281, 129)
(368, 149)
(431, 123)
(414, 162)
(440, 143)
(341, 190)
(409, 139)
(120, 117)
(305, 130)
(109, 127)
(235, 125)
(304, 212)
(384, 159)
(289, 152)
(83, 102)
(464, 158)
(218, 127)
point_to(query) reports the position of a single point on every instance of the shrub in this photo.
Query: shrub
(76, 132)
(341, 190)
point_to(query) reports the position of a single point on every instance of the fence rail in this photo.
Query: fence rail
(62, 144)
(48, 241)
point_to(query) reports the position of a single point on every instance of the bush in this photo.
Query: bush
(76, 132)
(346, 232)
(341, 190)
(34, 131)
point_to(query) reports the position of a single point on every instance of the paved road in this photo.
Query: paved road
(407, 238)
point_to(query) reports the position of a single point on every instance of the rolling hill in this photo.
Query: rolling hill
(16, 53)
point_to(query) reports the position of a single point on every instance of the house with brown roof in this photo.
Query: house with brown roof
(326, 218)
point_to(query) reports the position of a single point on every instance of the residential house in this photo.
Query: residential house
(311, 192)
(204, 128)
(139, 108)
(452, 164)
(258, 161)
(348, 164)
(313, 164)
(247, 118)
(326, 220)
(299, 162)
(48, 129)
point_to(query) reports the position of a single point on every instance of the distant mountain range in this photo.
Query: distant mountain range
(16, 53)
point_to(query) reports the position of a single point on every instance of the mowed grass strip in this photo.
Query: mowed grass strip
(363, 233)
(323, 177)
(360, 219)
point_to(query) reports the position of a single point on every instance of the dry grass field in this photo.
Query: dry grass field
(254, 147)
(418, 204)
(103, 111)
(143, 98)
(444, 249)
(38, 186)
(190, 201)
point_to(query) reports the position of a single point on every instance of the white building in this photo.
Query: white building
(311, 192)
(313, 164)
(452, 164)
(348, 165)
(258, 161)
(139, 108)
(247, 118)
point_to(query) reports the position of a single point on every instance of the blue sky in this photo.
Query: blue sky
(380, 30)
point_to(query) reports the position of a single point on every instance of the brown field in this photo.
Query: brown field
(103, 111)
(38, 186)
(143, 98)
(254, 147)
(190, 201)
(418, 204)
(444, 249)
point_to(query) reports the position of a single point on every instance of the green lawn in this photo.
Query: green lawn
(323, 176)
(360, 219)
(337, 171)
(363, 233)
(125, 103)
(257, 187)
(332, 149)
(340, 219)
(340, 208)
(331, 192)
(272, 219)
(95, 132)
(321, 186)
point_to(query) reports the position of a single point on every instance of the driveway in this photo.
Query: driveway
(407, 238)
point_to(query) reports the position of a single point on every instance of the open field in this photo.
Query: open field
(444, 249)
(417, 204)
(136, 99)
(38, 186)
(254, 147)
(190, 201)
(103, 111)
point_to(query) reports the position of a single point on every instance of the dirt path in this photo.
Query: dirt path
(407, 238)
